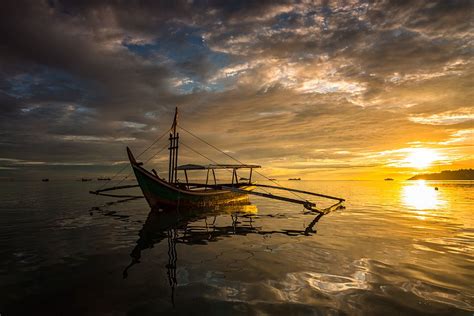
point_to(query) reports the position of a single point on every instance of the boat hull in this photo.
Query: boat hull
(160, 194)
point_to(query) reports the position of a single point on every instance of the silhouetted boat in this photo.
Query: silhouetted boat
(388, 179)
(103, 179)
(294, 179)
(159, 192)
(173, 193)
(45, 180)
(86, 179)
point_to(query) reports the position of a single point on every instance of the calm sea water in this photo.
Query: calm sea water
(399, 248)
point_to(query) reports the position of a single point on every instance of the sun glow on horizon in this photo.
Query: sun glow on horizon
(421, 158)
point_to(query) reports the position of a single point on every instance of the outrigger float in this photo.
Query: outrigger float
(163, 194)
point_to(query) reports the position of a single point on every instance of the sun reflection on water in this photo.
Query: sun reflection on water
(421, 196)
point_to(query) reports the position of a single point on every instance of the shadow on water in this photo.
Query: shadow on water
(178, 226)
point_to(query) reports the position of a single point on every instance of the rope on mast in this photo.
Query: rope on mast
(159, 151)
(226, 169)
(127, 165)
(117, 187)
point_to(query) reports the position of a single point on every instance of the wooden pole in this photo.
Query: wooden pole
(300, 191)
(170, 160)
(186, 175)
(115, 188)
(214, 175)
(307, 204)
(172, 173)
(176, 158)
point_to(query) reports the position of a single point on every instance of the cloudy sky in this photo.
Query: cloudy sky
(323, 90)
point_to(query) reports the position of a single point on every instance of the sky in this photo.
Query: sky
(321, 90)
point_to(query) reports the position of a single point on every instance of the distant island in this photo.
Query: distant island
(461, 174)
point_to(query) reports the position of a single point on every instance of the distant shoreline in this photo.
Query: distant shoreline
(461, 174)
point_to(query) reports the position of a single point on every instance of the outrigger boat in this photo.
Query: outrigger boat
(159, 192)
(163, 194)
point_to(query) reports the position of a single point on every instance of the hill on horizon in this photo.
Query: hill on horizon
(461, 174)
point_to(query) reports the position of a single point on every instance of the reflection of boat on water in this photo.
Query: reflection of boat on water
(174, 193)
(159, 223)
(183, 226)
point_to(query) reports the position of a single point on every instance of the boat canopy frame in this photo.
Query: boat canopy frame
(213, 167)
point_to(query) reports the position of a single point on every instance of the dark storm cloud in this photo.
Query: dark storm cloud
(82, 79)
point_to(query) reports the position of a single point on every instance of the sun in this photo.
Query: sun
(421, 158)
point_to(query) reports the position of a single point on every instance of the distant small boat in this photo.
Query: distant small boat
(294, 179)
(244, 179)
(86, 179)
(388, 179)
(45, 180)
(103, 179)
(272, 179)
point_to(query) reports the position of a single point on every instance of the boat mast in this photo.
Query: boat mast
(174, 144)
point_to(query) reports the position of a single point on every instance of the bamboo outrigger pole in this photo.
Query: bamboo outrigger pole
(100, 192)
(299, 191)
(307, 204)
